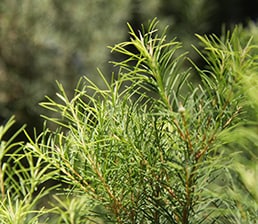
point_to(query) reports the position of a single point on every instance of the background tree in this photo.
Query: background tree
(43, 41)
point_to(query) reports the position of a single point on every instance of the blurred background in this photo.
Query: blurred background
(46, 40)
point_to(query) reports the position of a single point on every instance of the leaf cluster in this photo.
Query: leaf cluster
(150, 147)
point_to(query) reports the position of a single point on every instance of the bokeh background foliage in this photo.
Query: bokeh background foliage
(44, 41)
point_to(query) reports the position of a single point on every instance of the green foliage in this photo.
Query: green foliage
(20, 178)
(238, 65)
(149, 147)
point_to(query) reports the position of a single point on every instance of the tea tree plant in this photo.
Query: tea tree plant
(21, 177)
(150, 147)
